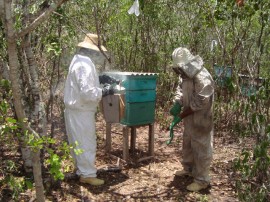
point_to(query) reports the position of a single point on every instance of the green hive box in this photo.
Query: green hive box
(139, 113)
(140, 97)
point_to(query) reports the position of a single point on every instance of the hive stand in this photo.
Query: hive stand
(132, 139)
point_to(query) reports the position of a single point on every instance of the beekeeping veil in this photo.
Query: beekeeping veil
(186, 62)
(96, 51)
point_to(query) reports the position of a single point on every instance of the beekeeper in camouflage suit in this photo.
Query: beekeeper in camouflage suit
(195, 93)
(82, 94)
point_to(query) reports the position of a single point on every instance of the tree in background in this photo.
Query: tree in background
(222, 32)
(30, 116)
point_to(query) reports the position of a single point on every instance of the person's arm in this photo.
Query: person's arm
(201, 98)
(178, 93)
(203, 90)
(88, 83)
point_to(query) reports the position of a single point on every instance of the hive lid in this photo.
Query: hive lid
(131, 73)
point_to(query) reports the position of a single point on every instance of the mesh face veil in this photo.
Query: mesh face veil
(187, 62)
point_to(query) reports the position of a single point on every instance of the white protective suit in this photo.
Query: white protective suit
(81, 97)
(196, 90)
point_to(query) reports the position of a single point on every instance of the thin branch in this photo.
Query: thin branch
(44, 16)
(85, 33)
(98, 33)
(2, 10)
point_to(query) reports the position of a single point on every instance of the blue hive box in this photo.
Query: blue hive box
(222, 75)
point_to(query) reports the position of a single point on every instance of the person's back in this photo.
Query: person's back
(76, 94)
(201, 100)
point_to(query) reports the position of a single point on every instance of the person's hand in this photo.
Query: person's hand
(176, 109)
(186, 113)
(107, 90)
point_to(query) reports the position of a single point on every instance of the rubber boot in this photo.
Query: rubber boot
(92, 180)
(196, 186)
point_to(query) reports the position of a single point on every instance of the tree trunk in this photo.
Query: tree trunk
(38, 176)
(14, 78)
(37, 112)
(17, 96)
(6, 14)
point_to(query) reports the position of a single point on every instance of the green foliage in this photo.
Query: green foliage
(17, 185)
(145, 43)
(56, 156)
(56, 162)
(55, 166)
(8, 127)
(9, 136)
(165, 98)
(203, 198)
(253, 182)
(253, 165)
(54, 48)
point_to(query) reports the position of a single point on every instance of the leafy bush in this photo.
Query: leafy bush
(253, 166)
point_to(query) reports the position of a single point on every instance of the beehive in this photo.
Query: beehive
(139, 97)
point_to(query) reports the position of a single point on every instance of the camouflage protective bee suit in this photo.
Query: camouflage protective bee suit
(195, 93)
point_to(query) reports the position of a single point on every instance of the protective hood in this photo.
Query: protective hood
(188, 63)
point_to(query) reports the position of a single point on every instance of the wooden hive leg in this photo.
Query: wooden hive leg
(125, 143)
(151, 140)
(133, 139)
(108, 137)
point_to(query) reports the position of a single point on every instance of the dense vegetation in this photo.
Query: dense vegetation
(232, 38)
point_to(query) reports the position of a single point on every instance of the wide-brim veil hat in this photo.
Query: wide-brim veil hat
(91, 42)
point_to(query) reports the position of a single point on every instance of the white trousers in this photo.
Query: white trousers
(80, 127)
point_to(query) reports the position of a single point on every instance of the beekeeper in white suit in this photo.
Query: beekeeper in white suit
(82, 94)
(195, 93)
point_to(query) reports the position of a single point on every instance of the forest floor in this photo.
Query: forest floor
(152, 179)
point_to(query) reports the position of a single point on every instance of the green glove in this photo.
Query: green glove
(175, 110)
